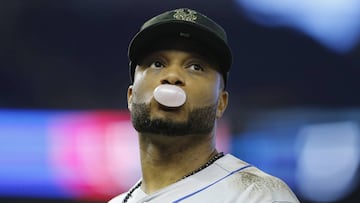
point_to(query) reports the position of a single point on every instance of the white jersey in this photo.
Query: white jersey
(227, 180)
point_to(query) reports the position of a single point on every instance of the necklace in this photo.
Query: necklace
(211, 161)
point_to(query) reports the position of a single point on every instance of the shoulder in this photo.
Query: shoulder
(252, 181)
(248, 174)
(257, 180)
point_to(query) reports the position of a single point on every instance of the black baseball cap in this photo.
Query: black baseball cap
(182, 23)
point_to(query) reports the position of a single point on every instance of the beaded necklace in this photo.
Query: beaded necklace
(211, 161)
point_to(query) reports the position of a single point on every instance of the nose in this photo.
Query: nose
(172, 76)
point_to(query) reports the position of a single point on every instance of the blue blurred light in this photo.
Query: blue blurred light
(335, 23)
(329, 156)
(24, 167)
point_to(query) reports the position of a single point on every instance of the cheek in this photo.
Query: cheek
(142, 96)
(204, 96)
(145, 82)
(142, 92)
(211, 97)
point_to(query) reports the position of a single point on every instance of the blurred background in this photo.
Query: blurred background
(65, 132)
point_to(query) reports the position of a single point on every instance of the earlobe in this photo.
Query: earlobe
(129, 96)
(222, 104)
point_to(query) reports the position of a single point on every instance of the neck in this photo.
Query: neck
(166, 159)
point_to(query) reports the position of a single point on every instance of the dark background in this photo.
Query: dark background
(73, 55)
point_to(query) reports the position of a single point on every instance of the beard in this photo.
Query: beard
(200, 121)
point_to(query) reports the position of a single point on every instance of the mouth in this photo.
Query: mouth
(168, 109)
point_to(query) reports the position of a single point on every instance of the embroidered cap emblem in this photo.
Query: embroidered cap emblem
(185, 14)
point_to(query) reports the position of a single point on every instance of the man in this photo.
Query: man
(179, 63)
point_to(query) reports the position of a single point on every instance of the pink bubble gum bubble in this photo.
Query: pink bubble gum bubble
(169, 95)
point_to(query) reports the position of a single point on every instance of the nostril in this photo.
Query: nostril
(165, 82)
(178, 82)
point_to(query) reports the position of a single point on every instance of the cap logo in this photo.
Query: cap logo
(185, 14)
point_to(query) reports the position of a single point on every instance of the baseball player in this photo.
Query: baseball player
(179, 64)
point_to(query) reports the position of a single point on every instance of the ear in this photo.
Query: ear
(129, 96)
(222, 104)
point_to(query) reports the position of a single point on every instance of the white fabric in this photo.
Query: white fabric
(228, 180)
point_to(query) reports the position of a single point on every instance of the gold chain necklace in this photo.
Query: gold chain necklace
(211, 161)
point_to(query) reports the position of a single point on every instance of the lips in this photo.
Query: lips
(168, 109)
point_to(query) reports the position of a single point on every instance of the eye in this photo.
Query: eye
(156, 64)
(196, 67)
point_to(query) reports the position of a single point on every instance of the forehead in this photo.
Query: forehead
(177, 55)
(181, 44)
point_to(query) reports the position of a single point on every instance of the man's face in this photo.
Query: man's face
(202, 84)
